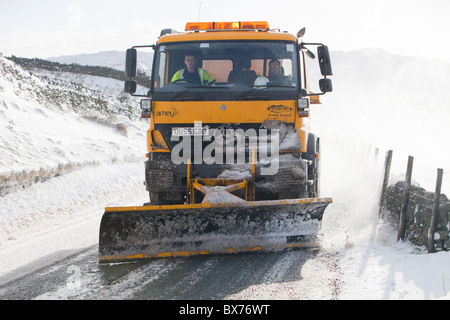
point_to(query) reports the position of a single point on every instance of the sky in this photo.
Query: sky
(49, 28)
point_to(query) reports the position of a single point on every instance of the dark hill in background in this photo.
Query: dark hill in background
(99, 71)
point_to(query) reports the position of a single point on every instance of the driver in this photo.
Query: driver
(276, 74)
(192, 73)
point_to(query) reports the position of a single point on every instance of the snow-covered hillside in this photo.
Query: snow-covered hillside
(51, 125)
(68, 150)
(50, 129)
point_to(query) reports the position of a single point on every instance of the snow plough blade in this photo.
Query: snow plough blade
(133, 233)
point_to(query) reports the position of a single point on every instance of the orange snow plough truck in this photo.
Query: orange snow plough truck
(231, 164)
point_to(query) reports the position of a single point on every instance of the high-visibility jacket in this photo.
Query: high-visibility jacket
(205, 78)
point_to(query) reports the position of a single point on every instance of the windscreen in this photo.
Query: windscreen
(226, 70)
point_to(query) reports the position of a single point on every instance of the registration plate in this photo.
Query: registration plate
(191, 131)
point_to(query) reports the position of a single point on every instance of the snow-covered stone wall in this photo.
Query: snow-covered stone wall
(418, 214)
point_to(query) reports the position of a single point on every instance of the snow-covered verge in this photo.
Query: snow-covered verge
(48, 222)
(374, 265)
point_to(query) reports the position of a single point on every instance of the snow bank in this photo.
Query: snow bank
(53, 220)
(394, 272)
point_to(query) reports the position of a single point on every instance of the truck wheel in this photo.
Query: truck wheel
(159, 179)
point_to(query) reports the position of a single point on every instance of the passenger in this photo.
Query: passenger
(192, 73)
(276, 74)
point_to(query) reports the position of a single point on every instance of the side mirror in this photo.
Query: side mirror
(324, 60)
(325, 85)
(130, 86)
(131, 63)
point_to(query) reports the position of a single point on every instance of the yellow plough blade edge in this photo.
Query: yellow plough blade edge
(144, 232)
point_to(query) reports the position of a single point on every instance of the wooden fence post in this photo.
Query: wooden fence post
(437, 195)
(387, 169)
(405, 200)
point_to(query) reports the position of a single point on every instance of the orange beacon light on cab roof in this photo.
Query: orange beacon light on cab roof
(236, 25)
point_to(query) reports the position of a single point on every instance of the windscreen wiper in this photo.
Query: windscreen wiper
(273, 86)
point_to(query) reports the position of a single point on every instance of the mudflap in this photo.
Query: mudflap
(134, 233)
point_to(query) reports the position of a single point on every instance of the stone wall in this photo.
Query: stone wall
(418, 214)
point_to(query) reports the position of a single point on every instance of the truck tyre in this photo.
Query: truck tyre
(160, 181)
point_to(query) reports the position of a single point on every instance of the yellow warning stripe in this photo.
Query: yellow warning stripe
(198, 252)
(222, 205)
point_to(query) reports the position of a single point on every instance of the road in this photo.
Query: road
(297, 274)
